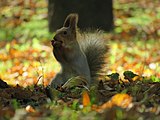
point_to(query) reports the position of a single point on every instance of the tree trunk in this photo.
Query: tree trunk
(94, 14)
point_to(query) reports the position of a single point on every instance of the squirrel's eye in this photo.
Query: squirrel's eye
(65, 32)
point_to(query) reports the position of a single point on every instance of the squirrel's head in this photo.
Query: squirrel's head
(67, 34)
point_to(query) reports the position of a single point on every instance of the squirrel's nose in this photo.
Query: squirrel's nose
(55, 38)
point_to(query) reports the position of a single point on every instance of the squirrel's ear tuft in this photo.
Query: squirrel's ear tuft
(71, 21)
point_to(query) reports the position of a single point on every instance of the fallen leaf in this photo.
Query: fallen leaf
(86, 99)
(121, 100)
(30, 109)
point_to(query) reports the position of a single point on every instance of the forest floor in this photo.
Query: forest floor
(132, 87)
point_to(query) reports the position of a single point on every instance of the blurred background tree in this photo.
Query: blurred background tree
(93, 13)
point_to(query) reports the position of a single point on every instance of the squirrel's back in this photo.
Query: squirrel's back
(95, 49)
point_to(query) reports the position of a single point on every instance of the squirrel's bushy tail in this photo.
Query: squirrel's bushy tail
(95, 50)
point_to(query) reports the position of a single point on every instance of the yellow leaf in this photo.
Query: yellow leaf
(121, 100)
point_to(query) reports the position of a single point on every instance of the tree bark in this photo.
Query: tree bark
(94, 14)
